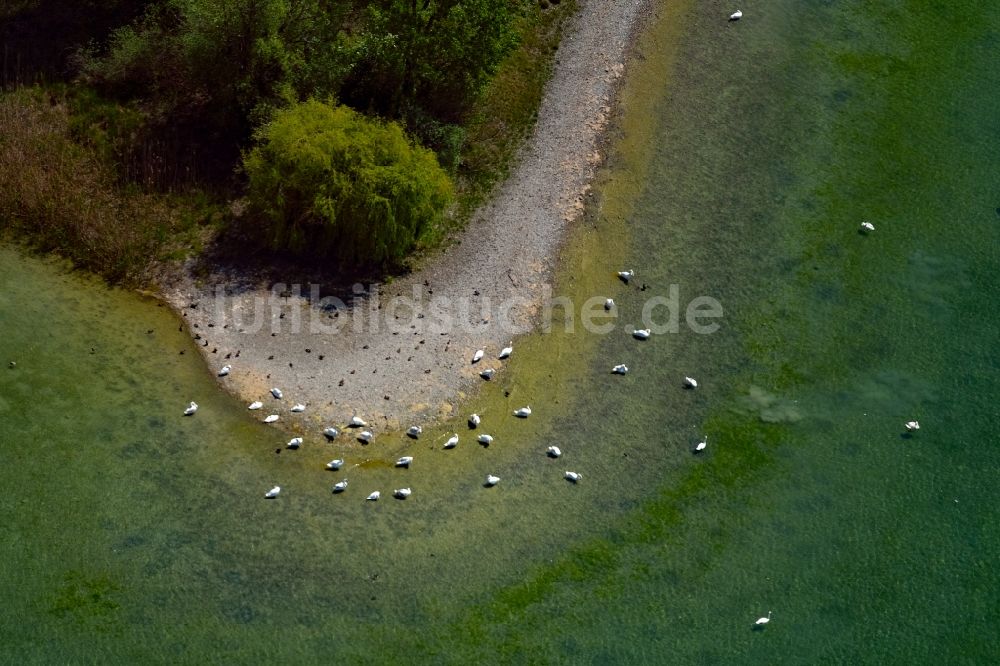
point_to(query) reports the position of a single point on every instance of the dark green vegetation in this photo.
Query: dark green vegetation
(167, 96)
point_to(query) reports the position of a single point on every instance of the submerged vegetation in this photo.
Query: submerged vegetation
(144, 116)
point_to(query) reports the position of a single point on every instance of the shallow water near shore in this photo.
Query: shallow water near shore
(133, 532)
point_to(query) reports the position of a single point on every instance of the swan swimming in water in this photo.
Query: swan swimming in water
(191, 409)
(335, 464)
(492, 480)
(506, 351)
(553, 452)
(763, 620)
(625, 276)
(374, 496)
(414, 431)
(609, 303)
(271, 418)
(474, 420)
(257, 404)
(298, 408)
(294, 443)
(331, 433)
(620, 369)
(276, 392)
(867, 227)
(272, 493)
(478, 356)
(690, 382)
(700, 446)
(912, 426)
(487, 374)
(523, 412)
(573, 477)
(224, 371)
(401, 493)
(404, 461)
(736, 16)
(452, 442)
(641, 333)
(357, 422)
(340, 486)
(485, 439)
(366, 436)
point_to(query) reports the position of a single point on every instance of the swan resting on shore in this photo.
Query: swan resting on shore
(912, 426)
(487, 374)
(492, 480)
(272, 493)
(271, 418)
(523, 412)
(573, 477)
(506, 351)
(374, 496)
(294, 443)
(191, 409)
(700, 446)
(331, 433)
(340, 486)
(641, 333)
(335, 464)
(225, 370)
(404, 461)
(401, 493)
(625, 276)
(690, 382)
(478, 356)
(553, 452)
(736, 16)
(256, 404)
(619, 369)
(414, 431)
(763, 620)
(452, 442)
(474, 420)
(298, 408)
(276, 392)
(485, 439)
(357, 422)
(366, 436)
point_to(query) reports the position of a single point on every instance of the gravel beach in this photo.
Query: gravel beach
(400, 353)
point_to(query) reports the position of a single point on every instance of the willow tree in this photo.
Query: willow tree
(324, 180)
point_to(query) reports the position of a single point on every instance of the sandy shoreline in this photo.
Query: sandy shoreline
(400, 353)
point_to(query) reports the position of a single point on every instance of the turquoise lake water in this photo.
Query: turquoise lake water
(131, 533)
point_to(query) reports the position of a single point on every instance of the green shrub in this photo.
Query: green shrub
(326, 181)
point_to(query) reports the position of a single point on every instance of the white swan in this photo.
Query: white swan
(492, 480)
(271, 418)
(276, 392)
(272, 493)
(294, 443)
(225, 370)
(485, 439)
(487, 374)
(357, 422)
(331, 433)
(401, 493)
(620, 369)
(191, 409)
(625, 276)
(366, 436)
(700, 446)
(340, 486)
(523, 412)
(506, 351)
(414, 431)
(641, 333)
(690, 382)
(474, 420)
(763, 620)
(736, 16)
(404, 461)
(553, 451)
(335, 464)
(573, 477)
(609, 303)
(912, 425)
(374, 496)
(867, 226)
(478, 356)
(257, 404)
(452, 442)
(298, 408)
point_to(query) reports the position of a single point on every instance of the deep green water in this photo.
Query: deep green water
(131, 533)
